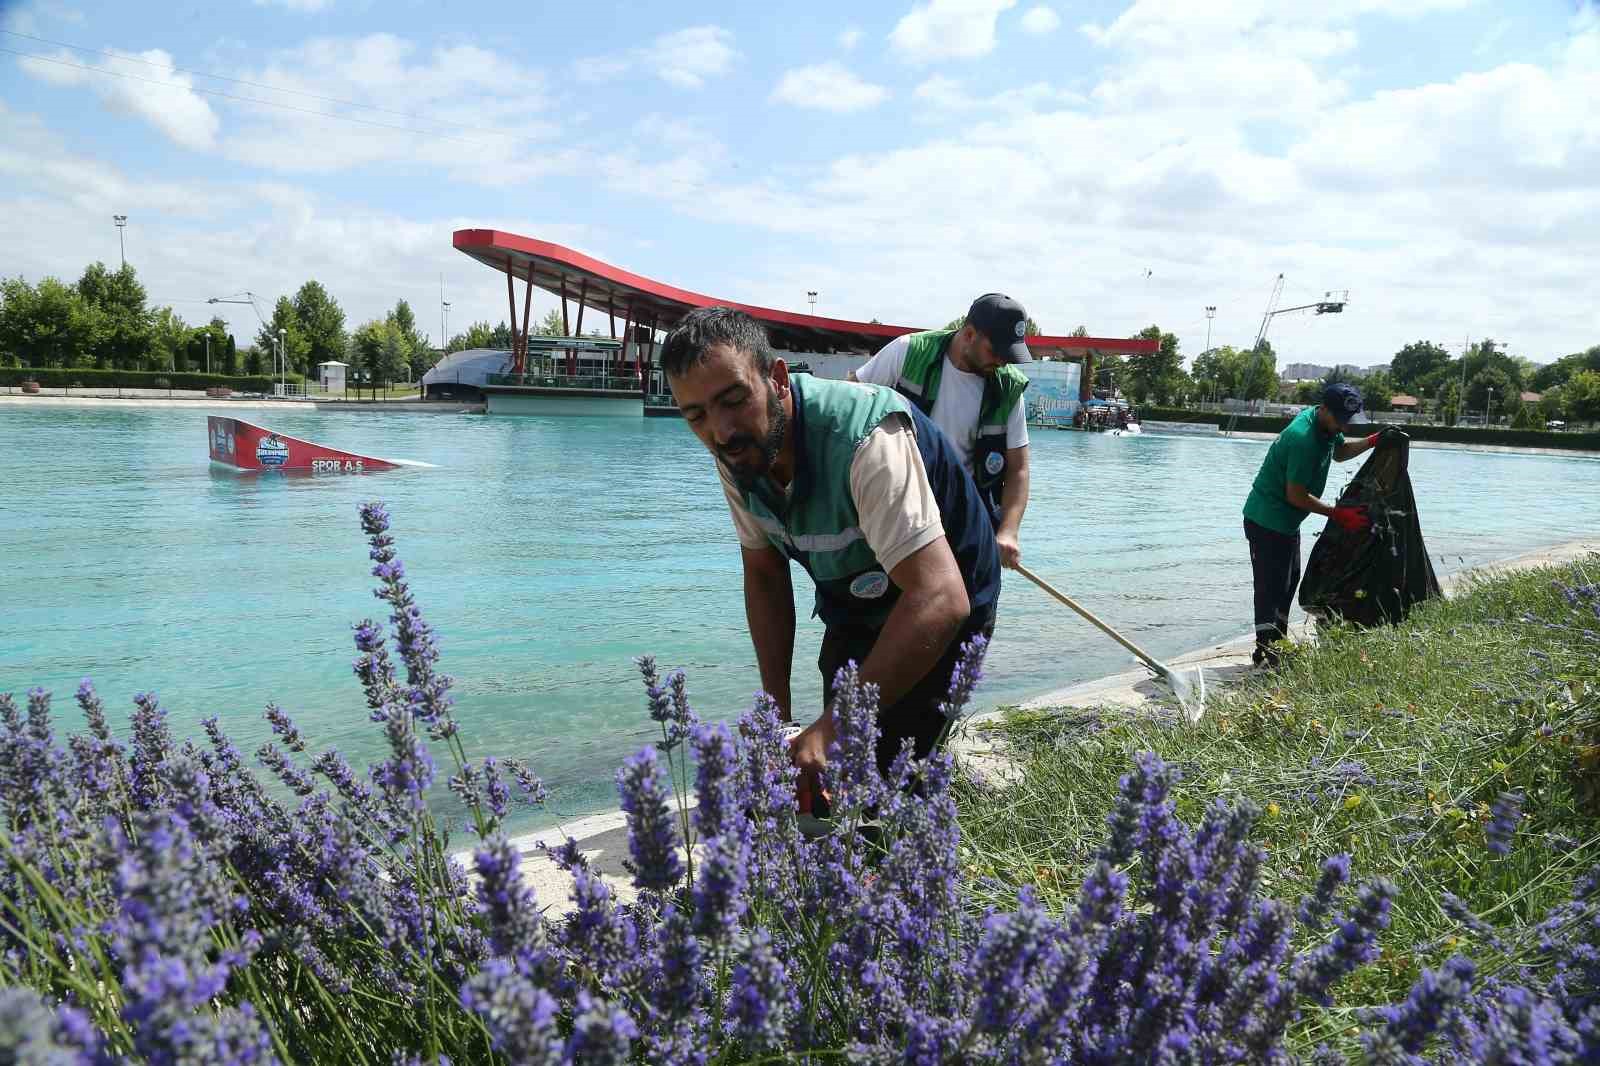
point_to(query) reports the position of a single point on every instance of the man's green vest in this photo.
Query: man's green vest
(818, 526)
(1002, 391)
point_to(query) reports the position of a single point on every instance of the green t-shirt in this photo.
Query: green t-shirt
(1301, 454)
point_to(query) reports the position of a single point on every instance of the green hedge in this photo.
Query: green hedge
(90, 378)
(1519, 438)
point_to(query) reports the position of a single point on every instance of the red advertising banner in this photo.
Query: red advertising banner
(245, 446)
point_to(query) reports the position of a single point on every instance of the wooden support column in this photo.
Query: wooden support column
(527, 325)
(1086, 386)
(583, 297)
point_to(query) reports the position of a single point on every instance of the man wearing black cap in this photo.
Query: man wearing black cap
(1292, 476)
(967, 382)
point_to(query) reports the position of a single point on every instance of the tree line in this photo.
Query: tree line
(105, 321)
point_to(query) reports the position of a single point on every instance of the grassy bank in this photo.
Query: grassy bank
(1391, 745)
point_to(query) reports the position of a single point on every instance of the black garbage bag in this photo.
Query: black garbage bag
(1375, 576)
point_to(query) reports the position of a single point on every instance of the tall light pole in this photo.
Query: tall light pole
(283, 363)
(1487, 406)
(444, 324)
(208, 349)
(1211, 313)
(811, 297)
(121, 222)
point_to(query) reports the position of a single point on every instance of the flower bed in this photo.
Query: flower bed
(162, 902)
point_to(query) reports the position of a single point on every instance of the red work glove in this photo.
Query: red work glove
(1372, 440)
(1351, 519)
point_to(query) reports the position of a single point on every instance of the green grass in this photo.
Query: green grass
(1469, 697)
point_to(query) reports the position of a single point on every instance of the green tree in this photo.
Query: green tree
(321, 324)
(1560, 371)
(1527, 417)
(1490, 377)
(1415, 362)
(169, 341)
(253, 360)
(1377, 390)
(378, 350)
(414, 348)
(1581, 395)
(46, 325)
(1157, 375)
(1258, 373)
(550, 325)
(296, 348)
(500, 336)
(125, 334)
(230, 356)
(478, 335)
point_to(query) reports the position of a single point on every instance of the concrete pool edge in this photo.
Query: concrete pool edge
(603, 835)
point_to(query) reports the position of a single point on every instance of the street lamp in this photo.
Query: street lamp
(444, 324)
(811, 297)
(208, 350)
(1487, 405)
(283, 363)
(121, 222)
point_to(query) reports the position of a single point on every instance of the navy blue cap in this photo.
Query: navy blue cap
(1005, 323)
(1343, 403)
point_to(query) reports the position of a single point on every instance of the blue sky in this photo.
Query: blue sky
(1438, 158)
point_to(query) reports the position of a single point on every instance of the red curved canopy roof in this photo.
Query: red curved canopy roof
(610, 289)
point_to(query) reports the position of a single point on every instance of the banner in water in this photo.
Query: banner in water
(246, 446)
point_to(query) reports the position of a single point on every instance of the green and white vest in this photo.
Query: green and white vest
(818, 526)
(1002, 391)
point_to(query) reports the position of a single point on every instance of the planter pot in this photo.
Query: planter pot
(220, 392)
(30, 386)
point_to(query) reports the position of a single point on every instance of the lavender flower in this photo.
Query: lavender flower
(1314, 908)
(520, 1017)
(652, 832)
(1504, 816)
(601, 1035)
(763, 998)
(1410, 1025)
(1354, 942)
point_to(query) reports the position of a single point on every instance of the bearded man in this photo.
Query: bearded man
(861, 489)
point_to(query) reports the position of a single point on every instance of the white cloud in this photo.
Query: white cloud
(828, 87)
(142, 84)
(948, 29)
(849, 38)
(476, 114)
(944, 93)
(686, 58)
(1418, 200)
(1041, 20)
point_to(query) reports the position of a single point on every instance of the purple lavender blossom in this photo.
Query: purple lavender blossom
(763, 998)
(652, 826)
(1503, 819)
(1315, 907)
(601, 1034)
(1410, 1025)
(1354, 942)
(520, 1016)
(965, 677)
(851, 776)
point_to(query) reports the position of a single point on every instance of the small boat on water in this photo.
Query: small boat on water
(246, 446)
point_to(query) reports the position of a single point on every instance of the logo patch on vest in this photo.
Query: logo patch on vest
(1022, 329)
(994, 463)
(870, 586)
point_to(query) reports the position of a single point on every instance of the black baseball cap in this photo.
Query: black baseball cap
(1005, 323)
(1343, 403)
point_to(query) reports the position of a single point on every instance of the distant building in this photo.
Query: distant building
(1401, 402)
(1532, 397)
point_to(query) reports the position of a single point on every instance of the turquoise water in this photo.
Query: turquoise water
(548, 552)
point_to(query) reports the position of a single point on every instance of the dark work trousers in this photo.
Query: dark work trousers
(916, 714)
(1275, 566)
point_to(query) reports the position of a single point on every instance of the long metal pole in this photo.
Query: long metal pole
(208, 350)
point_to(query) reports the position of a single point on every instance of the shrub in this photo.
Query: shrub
(162, 902)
